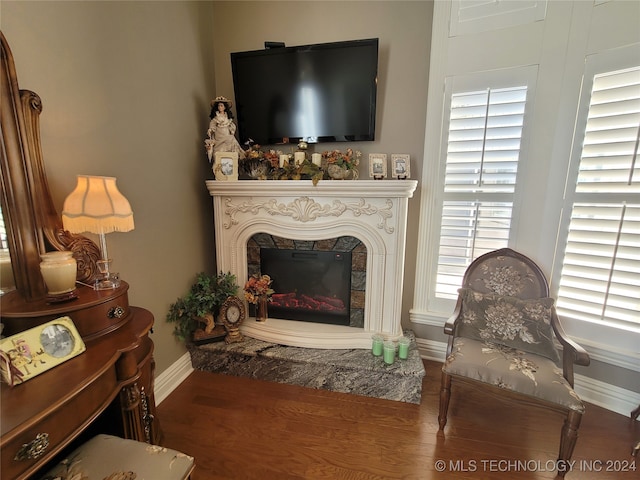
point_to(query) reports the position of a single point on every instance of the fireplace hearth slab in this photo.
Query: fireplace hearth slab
(354, 371)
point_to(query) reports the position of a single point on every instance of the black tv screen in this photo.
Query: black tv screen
(317, 93)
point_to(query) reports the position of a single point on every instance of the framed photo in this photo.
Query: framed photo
(29, 353)
(378, 165)
(400, 166)
(225, 166)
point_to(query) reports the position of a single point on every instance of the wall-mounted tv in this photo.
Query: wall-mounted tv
(317, 93)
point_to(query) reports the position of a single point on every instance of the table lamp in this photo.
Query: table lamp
(97, 206)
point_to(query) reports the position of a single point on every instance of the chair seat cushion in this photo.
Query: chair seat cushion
(109, 457)
(511, 369)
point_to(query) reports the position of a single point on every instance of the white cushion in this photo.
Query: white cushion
(106, 456)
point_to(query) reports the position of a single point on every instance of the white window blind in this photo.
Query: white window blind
(485, 133)
(4, 244)
(600, 280)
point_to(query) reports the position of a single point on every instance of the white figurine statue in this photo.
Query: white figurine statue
(221, 132)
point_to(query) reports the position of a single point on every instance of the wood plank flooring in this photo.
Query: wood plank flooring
(240, 428)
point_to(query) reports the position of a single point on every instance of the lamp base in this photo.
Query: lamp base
(109, 280)
(107, 283)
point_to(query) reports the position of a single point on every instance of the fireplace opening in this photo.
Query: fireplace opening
(311, 286)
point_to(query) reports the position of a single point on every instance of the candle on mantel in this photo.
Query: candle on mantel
(316, 158)
(283, 160)
(298, 158)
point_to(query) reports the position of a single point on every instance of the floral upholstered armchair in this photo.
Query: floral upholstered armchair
(504, 334)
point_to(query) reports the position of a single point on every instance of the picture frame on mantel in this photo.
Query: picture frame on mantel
(225, 166)
(378, 166)
(400, 166)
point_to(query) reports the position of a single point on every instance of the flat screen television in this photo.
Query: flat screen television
(317, 93)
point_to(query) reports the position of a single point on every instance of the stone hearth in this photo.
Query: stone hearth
(354, 371)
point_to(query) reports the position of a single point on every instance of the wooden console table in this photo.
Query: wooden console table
(40, 417)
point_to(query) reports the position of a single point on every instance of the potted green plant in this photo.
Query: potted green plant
(202, 304)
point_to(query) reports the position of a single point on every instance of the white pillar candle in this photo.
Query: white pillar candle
(59, 271)
(298, 158)
(283, 160)
(316, 158)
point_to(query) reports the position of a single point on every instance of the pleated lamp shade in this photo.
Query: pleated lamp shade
(96, 206)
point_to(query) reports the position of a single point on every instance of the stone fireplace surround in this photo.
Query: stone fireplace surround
(374, 211)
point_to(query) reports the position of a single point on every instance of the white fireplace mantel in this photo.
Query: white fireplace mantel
(374, 211)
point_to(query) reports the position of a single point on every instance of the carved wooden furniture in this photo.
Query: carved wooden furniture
(33, 225)
(43, 415)
(114, 376)
(502, 339)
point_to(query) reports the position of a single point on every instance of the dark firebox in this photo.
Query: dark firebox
(313, 286)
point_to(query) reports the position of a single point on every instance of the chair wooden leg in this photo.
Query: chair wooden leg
(445, 394)
(636, 448)
(568, 440)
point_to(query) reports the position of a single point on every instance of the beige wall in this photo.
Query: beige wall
(126, 88)
(404, 30)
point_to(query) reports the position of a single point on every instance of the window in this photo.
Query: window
(600, 280)
(4, 241)
(484, 141)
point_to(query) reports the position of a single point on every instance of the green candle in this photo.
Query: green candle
(389, 352)
(403, 348)
(376, 347)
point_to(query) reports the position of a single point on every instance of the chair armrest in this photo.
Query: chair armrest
(579, 354)
(450, 324)
(572, 353)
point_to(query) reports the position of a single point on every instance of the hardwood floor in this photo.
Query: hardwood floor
(239, 428)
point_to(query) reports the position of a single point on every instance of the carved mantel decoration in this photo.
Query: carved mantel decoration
(375, 212)
(305, 209)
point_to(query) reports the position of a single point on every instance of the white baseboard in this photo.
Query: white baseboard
(602, 394)
(431, 349)
(605, 395)
(167, 381)
(604, 353)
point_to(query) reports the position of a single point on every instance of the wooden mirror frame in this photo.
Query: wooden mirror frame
(32, 222)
